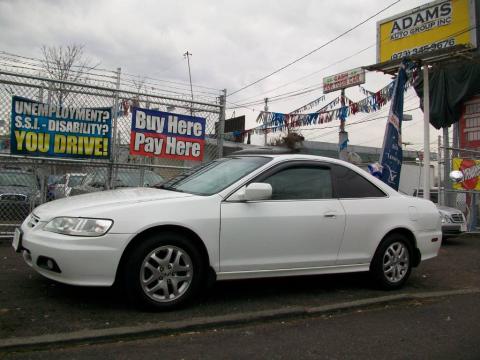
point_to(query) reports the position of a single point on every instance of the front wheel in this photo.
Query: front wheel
(163, 272)
(392, 263)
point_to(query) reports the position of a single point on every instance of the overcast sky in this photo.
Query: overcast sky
(233, 44)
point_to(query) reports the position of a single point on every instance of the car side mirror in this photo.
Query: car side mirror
(258, 191)
(456, 176)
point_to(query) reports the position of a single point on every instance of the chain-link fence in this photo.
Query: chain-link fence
(26, 182)
(463, 196)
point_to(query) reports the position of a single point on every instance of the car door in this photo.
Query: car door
(369, 211)
(301, 226)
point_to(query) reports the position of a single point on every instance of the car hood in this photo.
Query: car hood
(23, 190)
(447, 209)
(80, 205)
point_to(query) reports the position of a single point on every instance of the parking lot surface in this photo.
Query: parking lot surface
(31, 305)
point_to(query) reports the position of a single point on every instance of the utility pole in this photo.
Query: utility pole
(426, 133)
(342, 134)
(265, 117)
(187, 55)
(221, 123)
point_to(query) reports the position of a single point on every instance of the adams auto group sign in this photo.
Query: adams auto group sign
(433, 26)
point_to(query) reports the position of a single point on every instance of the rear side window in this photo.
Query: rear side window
(349, 184)
(301, 182)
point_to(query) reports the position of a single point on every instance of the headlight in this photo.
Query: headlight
(445, 218)
(79, 226)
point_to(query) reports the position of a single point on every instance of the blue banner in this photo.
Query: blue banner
(392, 156)
(39, 129)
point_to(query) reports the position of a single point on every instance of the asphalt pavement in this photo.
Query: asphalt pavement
(444, 328)
(37, 312)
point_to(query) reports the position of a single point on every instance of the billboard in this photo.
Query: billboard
(433, 26)
(167, 135)
(343, 80)
(39, 129)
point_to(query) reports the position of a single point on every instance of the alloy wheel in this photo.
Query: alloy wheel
(396, 262)
(166, 273)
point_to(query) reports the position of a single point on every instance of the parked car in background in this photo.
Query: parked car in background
(52, 180)
(97, 180)
(234, 218)
(454, 222)
(19, 194)
(64, 185)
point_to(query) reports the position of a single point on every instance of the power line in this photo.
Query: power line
(456, 33)
(314, 50)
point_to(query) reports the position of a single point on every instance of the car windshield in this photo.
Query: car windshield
(215, 176)
(18, 179)
(75, 180)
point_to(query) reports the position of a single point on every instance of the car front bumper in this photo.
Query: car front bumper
(86, 261)
(453, 229)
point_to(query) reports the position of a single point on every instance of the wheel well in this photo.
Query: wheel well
(413, 242)
(197, 241)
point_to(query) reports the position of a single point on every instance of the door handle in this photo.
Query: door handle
(330, 215)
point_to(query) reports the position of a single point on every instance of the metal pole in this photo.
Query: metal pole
(221, 122)
(265, 117)
(187, 55)
(441, 186)
(342, 134)
(426, 133)
(447, 184)
(114, 148)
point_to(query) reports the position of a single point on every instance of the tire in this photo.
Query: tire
(163, 272)
(392, 263)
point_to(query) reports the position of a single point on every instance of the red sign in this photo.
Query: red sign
(172, 136)
(469, 124)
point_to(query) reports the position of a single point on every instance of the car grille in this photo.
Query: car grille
(458, 218)
(33, 221)
(13, 197)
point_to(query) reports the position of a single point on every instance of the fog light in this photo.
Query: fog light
(48, 264)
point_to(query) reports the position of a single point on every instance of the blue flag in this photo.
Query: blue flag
(392, 156)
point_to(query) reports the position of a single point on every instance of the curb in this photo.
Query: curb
(150, 330)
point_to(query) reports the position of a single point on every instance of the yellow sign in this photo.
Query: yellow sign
(433, 26)
(471, 173)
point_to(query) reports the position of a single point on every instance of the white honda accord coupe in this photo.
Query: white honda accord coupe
(238, 217)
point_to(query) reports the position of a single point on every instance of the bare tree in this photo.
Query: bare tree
(65, 64)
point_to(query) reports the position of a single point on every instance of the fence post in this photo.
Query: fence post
(447, 160)
(114, 148)
(221, 123)
(441, 184)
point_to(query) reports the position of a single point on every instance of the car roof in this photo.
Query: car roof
(13, 171)
(292, 156)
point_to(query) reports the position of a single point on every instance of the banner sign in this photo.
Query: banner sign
(469, 124)
(471, 173)
(39, 129)
(433, 26)
(167, 135)
(392, 155)
(343, 80)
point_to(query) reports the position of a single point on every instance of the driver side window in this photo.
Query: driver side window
(301, 182)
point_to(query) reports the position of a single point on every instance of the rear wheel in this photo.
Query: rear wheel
(392, 263)
(164, 272)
